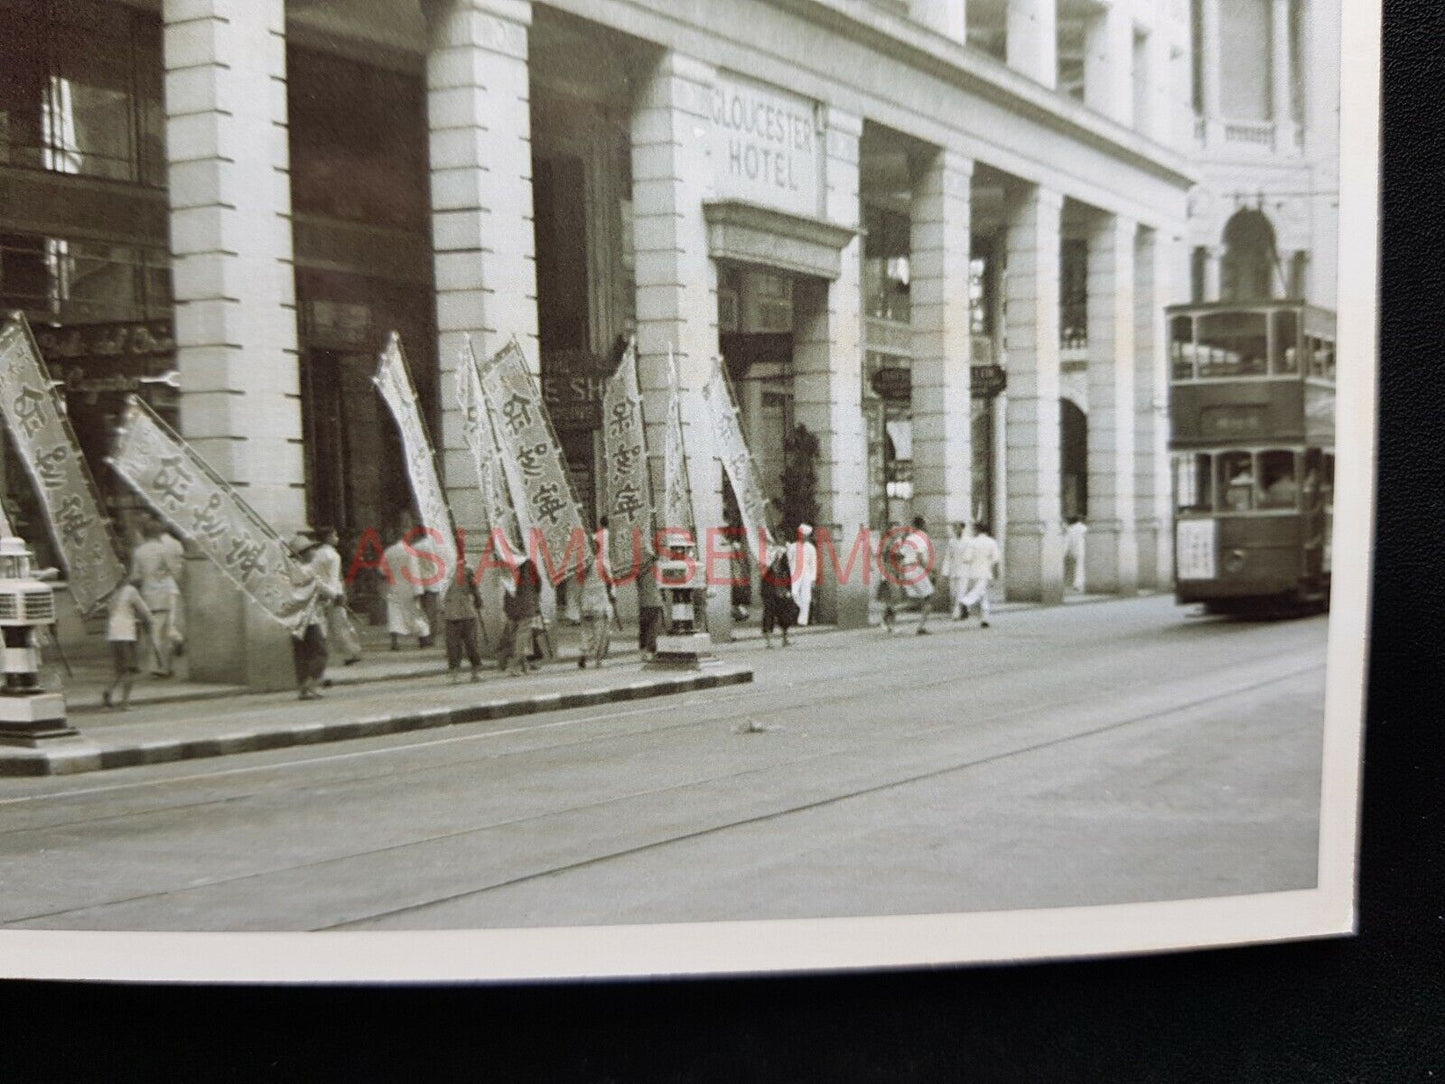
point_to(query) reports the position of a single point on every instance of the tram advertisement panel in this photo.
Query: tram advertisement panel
(1195, 555)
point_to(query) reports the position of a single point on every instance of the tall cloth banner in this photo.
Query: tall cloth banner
(624, 450)
(737, 461)
(47, 446)
(394, 383)
(676, 489)
(532, 457)
(184, 491)
(481, 440)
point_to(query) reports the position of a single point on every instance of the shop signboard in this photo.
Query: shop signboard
(572, 388)
(766, 146)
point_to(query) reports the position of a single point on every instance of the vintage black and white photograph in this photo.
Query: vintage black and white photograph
(671, 487)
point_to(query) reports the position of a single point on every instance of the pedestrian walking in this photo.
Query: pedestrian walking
(308, 646)
(983, 566)
(807, 573)
(889, 578)
(434, 577)
(1074, 553)
(522, 605)
(126, 615)
(340, 629)
(461, 608)
(595, 608)
(780, 609)
(649, 605)
(955, 570)
(156, 567)
(915, 563)
(404, 616)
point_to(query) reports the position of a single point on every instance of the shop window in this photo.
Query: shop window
(81, 89)
(68, 281)
(1074, 294)
(358, 141)
(886, 270)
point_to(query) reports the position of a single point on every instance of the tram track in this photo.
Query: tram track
(618, 800)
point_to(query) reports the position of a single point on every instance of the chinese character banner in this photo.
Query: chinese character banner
(624, 446)
(732, 448)
(395, 385)
(676, 489)
(170, 477)
(481, 438)
(531, 455)
(47, 446)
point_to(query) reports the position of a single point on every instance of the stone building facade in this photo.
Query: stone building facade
(911, 226)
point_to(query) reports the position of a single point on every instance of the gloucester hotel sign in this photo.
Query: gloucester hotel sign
(766, 146)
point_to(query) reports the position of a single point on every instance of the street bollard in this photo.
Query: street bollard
(28, 714)
(685, 645)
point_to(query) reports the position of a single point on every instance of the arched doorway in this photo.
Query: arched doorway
(1073, 459)
(1249, 271)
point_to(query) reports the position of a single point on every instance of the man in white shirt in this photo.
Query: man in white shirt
(955, 569)
(1074, 553)
(807, 573)
(915, 560)
(982, 561)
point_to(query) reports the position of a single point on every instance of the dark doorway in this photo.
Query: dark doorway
(1073, 460)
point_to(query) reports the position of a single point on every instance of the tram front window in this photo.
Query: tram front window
(1233, 344)
(1193, 478)
(1279, 487)
(1236, 481)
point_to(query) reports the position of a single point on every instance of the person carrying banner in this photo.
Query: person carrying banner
(649, 604)
(308, 648)
(461, 607)
(155, 566)
(522, 605)
(404, 615)
(339, 627)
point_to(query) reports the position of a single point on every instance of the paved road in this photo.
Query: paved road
(1100, 753)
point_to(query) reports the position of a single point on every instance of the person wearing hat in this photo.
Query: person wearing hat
(807, 573)
(308, 646)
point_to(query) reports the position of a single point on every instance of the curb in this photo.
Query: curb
(73, 755)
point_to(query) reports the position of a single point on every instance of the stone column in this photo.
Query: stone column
(1161, 109)
(1153, 260)
(484, 259)
(235, 294)
(672, 174)
(948, 17)
(1213, 271)
(1033, 554)
(1109, 63)
(1280, 81)
(828, 385)
(481, 202)
(941, 404)
(1032, 42)
(1112, 555)
(1209, 66)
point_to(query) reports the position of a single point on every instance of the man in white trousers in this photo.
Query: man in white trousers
(982, 562)
(955, 569)
(807, 573)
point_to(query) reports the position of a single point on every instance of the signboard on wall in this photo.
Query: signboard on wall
(766, 146)
(572, 386)
(1194, 551)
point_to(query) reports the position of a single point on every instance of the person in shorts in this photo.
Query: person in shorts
(127, 614)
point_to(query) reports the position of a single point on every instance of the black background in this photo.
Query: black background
(1363, 1009)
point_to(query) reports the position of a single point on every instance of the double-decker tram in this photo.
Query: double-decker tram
(1252, 407)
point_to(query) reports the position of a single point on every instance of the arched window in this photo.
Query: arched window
(1248, 272)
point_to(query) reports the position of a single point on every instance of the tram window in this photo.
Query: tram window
(1181, 346)
(1312, 488)
(1329, 360)
(1327, 483)
(1193, 476)
(1278, 486)
(1284, 356)
(1233, 344)
(1236, 481)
